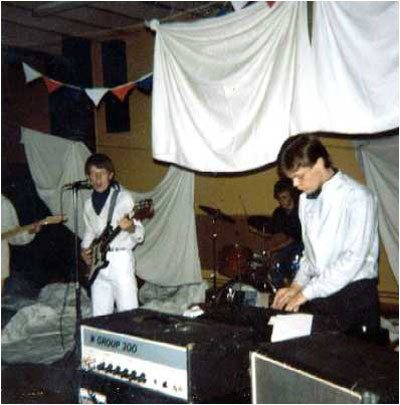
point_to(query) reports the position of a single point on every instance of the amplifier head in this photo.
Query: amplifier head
(186, 359)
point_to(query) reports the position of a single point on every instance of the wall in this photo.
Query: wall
(17, 99)
(235, 195)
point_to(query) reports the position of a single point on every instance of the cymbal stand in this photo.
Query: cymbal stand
(268, 264)
(214, 256)
(238, 269)
(231, 294)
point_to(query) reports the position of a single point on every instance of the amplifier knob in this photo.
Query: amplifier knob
(101, 366)
(109, 367)
(125, 373)
(132, 375)
(117, 370)
(142, 378)
(165, 385)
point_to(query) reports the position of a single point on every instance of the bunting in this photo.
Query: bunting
(121, 91)
(30, 73)
(52, 85)
(96, 94)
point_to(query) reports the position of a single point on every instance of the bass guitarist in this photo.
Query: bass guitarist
(9, 221)
(109, 205)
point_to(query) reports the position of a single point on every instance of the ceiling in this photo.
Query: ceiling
(42, 25)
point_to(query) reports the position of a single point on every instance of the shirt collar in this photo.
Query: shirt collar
(314, 195)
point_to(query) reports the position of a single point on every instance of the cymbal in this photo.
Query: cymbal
(216, 214)
(260, 222)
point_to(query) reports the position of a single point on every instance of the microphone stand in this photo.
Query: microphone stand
(76, 276)
(76, 353)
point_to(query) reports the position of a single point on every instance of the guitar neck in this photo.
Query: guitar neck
(112, 235)
(143, 210)
(13, 232)
(55, 219)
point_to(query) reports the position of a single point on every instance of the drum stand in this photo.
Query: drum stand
(230, 296)
(268, 263)
(215, 214)
(230, 292)
(214, 258)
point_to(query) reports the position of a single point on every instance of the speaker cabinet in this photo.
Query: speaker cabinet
(324, 369)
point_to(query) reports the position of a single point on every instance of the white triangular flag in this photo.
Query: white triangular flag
(30, 74)
(96, 94)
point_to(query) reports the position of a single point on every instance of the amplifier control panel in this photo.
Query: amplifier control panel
(155, 365)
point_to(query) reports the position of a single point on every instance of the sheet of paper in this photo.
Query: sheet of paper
(290, 326)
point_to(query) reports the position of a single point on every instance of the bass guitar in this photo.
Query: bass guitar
(55, 219)
(142, 210)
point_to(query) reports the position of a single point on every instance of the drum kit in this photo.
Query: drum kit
(240, 263)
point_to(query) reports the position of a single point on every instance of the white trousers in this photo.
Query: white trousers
(115, 284)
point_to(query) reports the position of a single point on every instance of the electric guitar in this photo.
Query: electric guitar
(55, 219)
(143, 209)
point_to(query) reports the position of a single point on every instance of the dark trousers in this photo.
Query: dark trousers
(355, 307)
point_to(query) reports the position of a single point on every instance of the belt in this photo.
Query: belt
(116, 249)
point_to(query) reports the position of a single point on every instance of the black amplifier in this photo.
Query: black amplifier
(171, 358)
(324, 369)
(257, 319)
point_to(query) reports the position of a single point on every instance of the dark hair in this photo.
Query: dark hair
(99, 160)
(302, 151)
(284, 185)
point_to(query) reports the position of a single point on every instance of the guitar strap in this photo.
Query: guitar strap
(112, 205)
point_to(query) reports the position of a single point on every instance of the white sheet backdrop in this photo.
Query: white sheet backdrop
(348, 81)
(379, 159)
(222, 87)
(53, 162)
(169, 256)
(228, 91)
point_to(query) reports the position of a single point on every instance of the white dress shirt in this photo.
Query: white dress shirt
(340, 236)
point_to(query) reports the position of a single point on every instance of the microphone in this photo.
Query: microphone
(78, 185)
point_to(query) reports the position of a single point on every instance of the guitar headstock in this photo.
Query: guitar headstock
(143, 209)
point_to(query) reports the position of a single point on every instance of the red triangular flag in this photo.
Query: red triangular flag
(52, 85)
(122, 91)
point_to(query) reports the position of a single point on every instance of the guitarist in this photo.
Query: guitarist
(115, 283)
(9, 220)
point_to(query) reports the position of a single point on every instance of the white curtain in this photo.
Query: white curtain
(228, 91)
(379, 159)
(348, 81)
(53, 162)
(222, 87)
(169, 256)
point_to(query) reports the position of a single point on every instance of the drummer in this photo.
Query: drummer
(283, 238)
